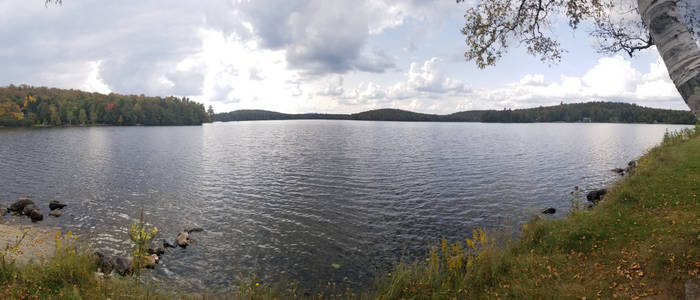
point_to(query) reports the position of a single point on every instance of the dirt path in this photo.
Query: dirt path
(38, 243)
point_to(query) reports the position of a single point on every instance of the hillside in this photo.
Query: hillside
(261, 115)
(600, 112)
(40, 106)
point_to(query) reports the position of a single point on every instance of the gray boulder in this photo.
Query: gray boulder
(157, 250)
(56, 213)
(124, 265)
(28, 209)
(18, 206)
(596, 195)
(183, 239)
(36, 215)
(54, 204)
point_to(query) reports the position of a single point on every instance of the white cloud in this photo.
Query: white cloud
(611, 79)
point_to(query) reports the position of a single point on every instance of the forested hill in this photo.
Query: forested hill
(27, 106)
(260, 115)
(614, 112)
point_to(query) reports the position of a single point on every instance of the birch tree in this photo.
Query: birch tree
(628, 26)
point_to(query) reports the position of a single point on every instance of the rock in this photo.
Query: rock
(28, 209)
(619, 171)
(36, 215)
(549, 211)
(196, 229)
(18, 206)
(151, 261)
(157, 250)
(597, 195)
(56, 213)
(104, 262)
(167, 244)
(183, 239)
(54, 204)
(124, 265)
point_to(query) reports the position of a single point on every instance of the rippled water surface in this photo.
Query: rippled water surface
(286, 199)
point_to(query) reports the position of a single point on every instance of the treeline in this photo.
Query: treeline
(261, 115)
(613, 112)
(602, 112)
(30, 106)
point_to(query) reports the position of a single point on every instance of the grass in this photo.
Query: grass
(642, 240)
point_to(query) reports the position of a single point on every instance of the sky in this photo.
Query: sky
(299, 56)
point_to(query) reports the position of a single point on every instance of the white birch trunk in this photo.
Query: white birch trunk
(677, 47)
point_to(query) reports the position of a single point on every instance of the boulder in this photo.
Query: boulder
(183, 239)
(18, 206)
(596, 195)
(36, 215)
(549, 211)
(157, 250)
(28, 209)
(124, 265)
(54, 204)
(56, 213)
(151, 261)
(619, 171)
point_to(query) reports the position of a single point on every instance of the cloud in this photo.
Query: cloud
(323, 37)
(611, 79)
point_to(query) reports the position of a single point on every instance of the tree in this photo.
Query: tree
(210, 113)
(673, 26)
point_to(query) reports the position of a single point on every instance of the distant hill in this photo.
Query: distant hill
(261, 115)
(390, 114)
(614, 112)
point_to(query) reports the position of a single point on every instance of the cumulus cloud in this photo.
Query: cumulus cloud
(330, 36)
(611, 79)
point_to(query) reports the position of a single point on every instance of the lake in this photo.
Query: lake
(287, 199)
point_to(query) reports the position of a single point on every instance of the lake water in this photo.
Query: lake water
(287, 199)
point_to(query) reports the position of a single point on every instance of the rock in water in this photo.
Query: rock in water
(56, 213)
(36, 215)
(28, 209)
(54, 204)
(183, 239)
(124, 265)
(18, 206)
(595, 196)
(549, 211)
(151, 261)
(157, 250)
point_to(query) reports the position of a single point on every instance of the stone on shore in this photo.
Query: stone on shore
(549, 211)
(124, 265)
(597, 195)
(18, 206)
(36, 215)
(56, 213)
